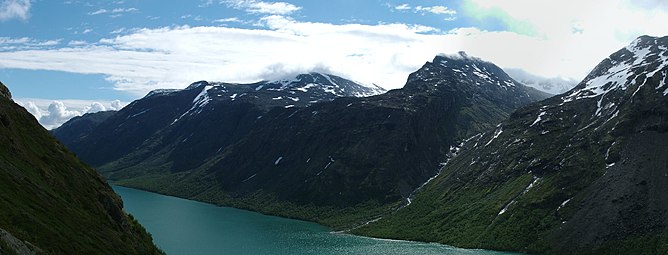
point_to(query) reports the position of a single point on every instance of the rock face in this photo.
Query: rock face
(4, 91)
(584, 172)
(52, 203)
(9, 244)
(307, 148)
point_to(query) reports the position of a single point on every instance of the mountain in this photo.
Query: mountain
(195, 122)
(78, 127)
(52, 203)
(581, 173)
(336, 160)
(554, 85)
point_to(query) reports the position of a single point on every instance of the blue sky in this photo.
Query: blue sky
(62, 58)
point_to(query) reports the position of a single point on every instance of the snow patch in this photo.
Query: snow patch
(620, 75)
(331, 160)
(307, 87)
(564, 204)
(497, 132)
(160, 92)
(454, 150)
(251, 177)
(531, 185)
(137, 114)
(505, 208)
(538, 119)
(201, 100)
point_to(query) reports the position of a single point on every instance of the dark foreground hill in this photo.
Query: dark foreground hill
(52, 203)
(584, 172)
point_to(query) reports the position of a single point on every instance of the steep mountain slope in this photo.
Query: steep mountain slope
(335, 162)
(50, 202)
(194, 123)
(584, 172)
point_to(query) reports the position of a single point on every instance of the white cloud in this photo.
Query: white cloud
(33, 109)
(116, 105)
(228, 20)
(118, 31)
(571, 36)
(14, 9)
(436, 10)
(172, 57)
(53, 113)
(262, 7)
(205, 3)
(57, 114)
(24, 43)
(76, 43)
(124, 10)
(100, 11)
(116, 11)
(96, 107)
(402, 7)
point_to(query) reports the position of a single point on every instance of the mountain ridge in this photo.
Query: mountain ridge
(578, 173)
(51, 202)
(332, 159)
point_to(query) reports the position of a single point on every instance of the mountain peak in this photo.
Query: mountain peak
(643, 58)
(4, 91)
(460, 55)
(462, 67)
(329, 83)
(198, 84)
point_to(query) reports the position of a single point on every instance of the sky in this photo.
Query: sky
(63, 58)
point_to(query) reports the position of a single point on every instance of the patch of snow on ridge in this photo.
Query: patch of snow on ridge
(329, 79)
(307, 87)
(564, 204)
(531, 185)
(201, 100)
(161, 92)
(621, 74)
(203, 97)
(454, 150)
(497, 132)
(538, 119)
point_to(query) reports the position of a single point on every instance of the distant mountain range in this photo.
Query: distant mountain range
(463, 154)
(311, 143)
(52, 203)
(554, 85)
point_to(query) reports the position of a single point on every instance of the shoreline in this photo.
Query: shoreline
(330, 229)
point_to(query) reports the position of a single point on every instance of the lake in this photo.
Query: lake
(181, 226)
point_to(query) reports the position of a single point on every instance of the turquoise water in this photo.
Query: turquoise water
(181, 226)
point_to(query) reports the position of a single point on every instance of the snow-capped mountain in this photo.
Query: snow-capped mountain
(303, 90)
(217, 106)
(580, 173)
(274, 149)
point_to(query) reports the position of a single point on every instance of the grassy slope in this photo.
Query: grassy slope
(54, 201)
(611, 210)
